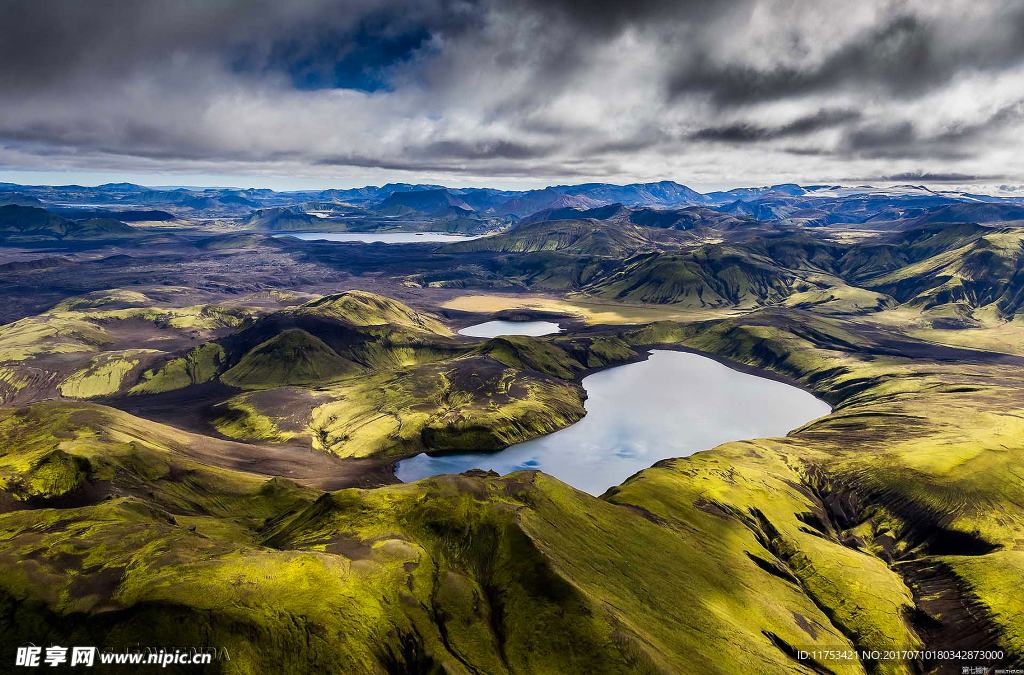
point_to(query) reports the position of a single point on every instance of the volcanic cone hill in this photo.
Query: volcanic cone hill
(282, 219)
(292, 357)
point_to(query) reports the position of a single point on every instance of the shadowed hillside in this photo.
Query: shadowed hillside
(581, 237)
(709, 277)
(27, 223)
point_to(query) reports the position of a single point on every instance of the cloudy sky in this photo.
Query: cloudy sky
(517, 93)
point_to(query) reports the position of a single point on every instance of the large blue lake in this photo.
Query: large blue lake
(671, 405)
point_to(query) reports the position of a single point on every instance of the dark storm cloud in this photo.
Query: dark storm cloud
(904, 56)
(881, 136)
(1005, 116)
(501, 149)
(746, 132)
(570, 169)
(318, 41)
(930, 177)
(905, 139)
(610, 17)
(642, 90)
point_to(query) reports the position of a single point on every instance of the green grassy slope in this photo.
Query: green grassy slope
(958, 272)
(884, 525)
(505, 391)
(360, 308)
(582, 237)
(291, 357)
(89, 346)
(713, 276)
(983, 270)
(85, 346)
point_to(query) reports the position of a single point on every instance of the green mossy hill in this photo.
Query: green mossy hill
(309, 344)
(840, 299)
(526, 353)
(565, 358)
(64, 454)
(937, 267)
(453, 574)
(985, 272)
(508, 390)
(342, 334)
(471, 403)
(553, 269)
(910, 469)
(31, 220)
(104, 300)
(283, 219)
(712, 276)
(85, 347)
(100, 228)
(198, 365)
(270, 415)
(292, 357)
(53, 475)
(106, 374)
(360, 308)
(532, 576)
(581, 237)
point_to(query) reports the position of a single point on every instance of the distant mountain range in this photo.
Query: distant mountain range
(664, 204)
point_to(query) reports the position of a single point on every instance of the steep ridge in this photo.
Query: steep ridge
(981, 268)
(581, 237)
(663, 218)
(710, 276)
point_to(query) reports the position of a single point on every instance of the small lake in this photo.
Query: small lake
(671, 405)
(491, 329)
(382, 237)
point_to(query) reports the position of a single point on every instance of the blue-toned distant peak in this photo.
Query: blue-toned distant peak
(751, 193)
(121, 187)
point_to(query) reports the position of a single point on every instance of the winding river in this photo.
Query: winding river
(671, 405)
